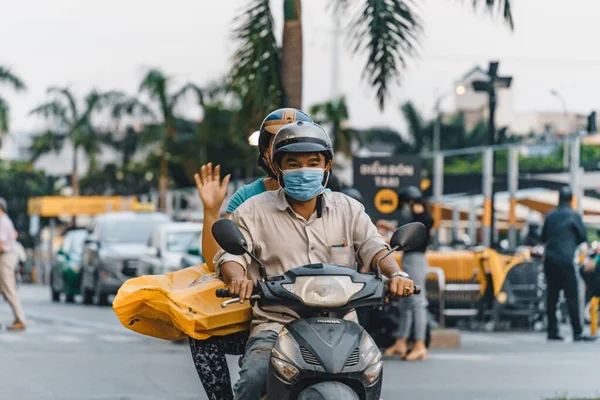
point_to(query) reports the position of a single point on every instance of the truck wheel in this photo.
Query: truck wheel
(70, 298)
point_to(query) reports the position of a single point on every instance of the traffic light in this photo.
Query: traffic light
(591, 124)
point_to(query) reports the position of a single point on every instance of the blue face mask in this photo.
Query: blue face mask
(303, 184)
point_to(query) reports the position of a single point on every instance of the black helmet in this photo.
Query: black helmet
(270, 126)
(301, 137)
(565, 195)
(354, 193)
(410, 193)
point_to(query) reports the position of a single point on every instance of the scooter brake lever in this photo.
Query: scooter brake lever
(253, 299)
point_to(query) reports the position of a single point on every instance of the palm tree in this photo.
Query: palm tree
(336, 113)
(387, 31)
(10, 79)
(155, 85)
(73, 122)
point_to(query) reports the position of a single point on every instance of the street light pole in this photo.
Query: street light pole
(555, 93)
(494, 82)
(437, 128)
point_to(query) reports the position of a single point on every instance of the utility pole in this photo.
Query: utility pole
(437, 128)
(489, 86)
(566, 122)
(335, 58)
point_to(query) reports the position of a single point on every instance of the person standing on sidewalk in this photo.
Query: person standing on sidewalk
(412, 310)
(562, 232)
(8, 262)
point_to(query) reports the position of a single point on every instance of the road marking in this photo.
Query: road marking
(66, 339)
(12, 337)
(119, 338)
(459, 357)
(75, 330)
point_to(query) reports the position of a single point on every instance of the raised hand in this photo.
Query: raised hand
(210, 188)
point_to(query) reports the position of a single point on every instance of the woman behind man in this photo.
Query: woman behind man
(412, 310)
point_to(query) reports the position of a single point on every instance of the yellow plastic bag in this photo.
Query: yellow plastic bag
(180, 304)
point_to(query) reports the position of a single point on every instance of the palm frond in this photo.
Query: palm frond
(7, 76)
(107, 99)
(256, 76)
(189, 87)
(387, 30)
(52, 110)
(154, 85)
(416, 125)
(132, 107)
(501, 7)
(66, 93)
(152, 134)
(339, 7)
(4, 109)
(48, 142)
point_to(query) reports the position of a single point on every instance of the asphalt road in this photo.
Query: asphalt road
(76, 352)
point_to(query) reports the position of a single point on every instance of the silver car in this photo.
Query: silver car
(113, 249)
(168, 244)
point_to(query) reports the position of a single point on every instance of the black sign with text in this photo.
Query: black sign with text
(379, 178)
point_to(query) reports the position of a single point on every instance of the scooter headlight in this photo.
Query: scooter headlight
(285, 369)
(373, 372)
(369, 351)
(332, 291)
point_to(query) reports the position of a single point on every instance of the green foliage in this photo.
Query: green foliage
(335, 113)
(256, 76)
(387, 32)
(590, 156)
(73, 122)
(18, 183)
(9, 79)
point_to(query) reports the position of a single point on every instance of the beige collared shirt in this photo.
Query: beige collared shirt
(283, 240)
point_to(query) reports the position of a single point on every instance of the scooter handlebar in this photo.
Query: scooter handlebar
(224, 293)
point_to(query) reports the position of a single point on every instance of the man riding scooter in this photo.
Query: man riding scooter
(298, 224)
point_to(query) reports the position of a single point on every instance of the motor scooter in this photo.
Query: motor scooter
(320, 355)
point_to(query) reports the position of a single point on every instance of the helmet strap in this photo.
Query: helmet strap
(326, 178)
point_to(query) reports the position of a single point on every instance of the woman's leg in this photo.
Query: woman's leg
(416, 267)
(211, 364)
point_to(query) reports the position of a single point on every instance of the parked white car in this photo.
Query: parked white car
(167, 246)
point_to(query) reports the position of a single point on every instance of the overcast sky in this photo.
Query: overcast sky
(108, 44)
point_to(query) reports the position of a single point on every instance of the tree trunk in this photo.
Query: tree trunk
(163, 178)
(292, 52)
(75, 180)
(74, 177)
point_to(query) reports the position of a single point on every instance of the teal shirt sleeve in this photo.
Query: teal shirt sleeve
(244, 193)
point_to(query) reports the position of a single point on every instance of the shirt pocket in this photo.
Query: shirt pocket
(343, 256)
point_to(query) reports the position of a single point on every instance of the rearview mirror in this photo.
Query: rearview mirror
(409, 236)
(229, 237)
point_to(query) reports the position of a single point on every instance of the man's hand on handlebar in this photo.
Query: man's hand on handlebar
(401, 287)
(241, 288)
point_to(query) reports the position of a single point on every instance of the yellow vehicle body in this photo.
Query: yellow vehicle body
(468, 266)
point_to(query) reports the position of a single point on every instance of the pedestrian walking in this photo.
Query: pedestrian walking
(562, 232)
(8, 263)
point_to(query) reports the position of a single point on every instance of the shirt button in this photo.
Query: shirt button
(312, 249)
